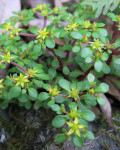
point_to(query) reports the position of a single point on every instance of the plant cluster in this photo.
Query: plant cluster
(59, 66)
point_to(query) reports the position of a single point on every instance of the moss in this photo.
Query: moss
(106, 145)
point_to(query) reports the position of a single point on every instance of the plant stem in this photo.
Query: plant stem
(85, 74)
(58, 58)
(74, 42)
(27, 34)
(115, 33)
(62, 95)
(116, 53)
(20, 67)
(45, 22)
(60, 62)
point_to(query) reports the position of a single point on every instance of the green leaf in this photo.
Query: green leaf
(88, 115)
(78, 141)
(64, 84)
(102, 88)
(83, 85)
(50, 43)
(64, 33)
(55, 107)
(28, 104)
(60, 138)
(102, 31)
(59, 99)
(66, 71)
(76, 35)
(4, 104)
(76, 49)
(55, 63)
(112, 15)
(23, 98)
(101, 101)
(91, 77)
(86, 52)
(104, 56)
(38, 83)
(88, 60)
(43, 96)
(37, 105)
(90, 135)
(106, 68)
(51, 102)
(58, 121)
(89, 99)
(8, 82)
(44, 76)
(72, 105)
(32, 93)
(14, 92)
(98, 65)
(52, 71)
(34, 29)
(117, 61)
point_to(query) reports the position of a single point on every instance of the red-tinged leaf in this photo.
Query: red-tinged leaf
(106, 109)
(58, 41)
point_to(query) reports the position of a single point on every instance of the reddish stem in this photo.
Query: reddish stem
(115, 35)
(116, 48)
(20, 67)
(60, 62)
(58, 58)
(45, 22)
(116, 53)
(85, 74)
(109, 60)
(74, 42)
(62, 95)
(27, 34)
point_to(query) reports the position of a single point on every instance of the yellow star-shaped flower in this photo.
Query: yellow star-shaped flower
(97, 45)
(72, 26)
(53, 91)
(42, 33)
(74, 93)
(21, 80)
(75, 127)
(1, 86)
(16, 30)
(73, 113)
(7, 57)
(86, 24)
(7, 26)
(32, 72)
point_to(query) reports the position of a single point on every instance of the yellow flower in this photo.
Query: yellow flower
(40, 7)
(86, 24)
(32, 72)
(21, 80)
(44, 12)
(53, 91)
(1, 86)
(74, 93)
(7, 57)
(97, 45)
(72, 26)
(42, 33)
(56, 9)
(16, 30)
(91, 91)
(75, 127)
(7, 26)
(73, 113)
